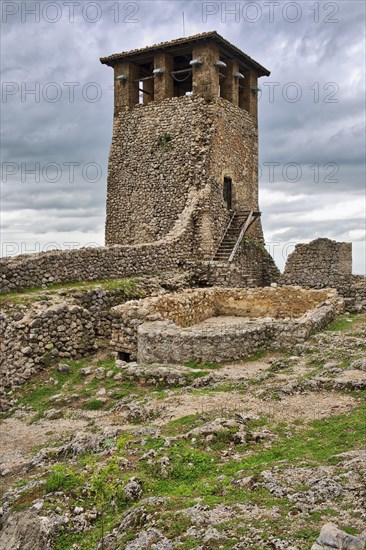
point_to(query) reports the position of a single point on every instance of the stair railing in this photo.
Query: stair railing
(250, 219)
(226, 231)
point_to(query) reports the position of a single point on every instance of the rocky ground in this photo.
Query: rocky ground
(259, 454)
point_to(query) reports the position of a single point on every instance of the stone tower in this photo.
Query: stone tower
(184, 154)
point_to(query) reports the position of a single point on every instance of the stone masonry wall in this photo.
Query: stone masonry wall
(318, 261)
(326, 263)
(88, 264)
(60, 324)
(157, 156)
(33, 338)
(194, 306)
(234, 153)
(164, 342)
(162, 152)
(252, 266)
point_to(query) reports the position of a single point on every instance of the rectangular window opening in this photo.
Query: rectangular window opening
(182, 75)
(145, 84)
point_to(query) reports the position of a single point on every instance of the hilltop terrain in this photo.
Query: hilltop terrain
(258, 454)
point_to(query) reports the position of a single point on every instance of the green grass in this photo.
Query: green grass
(37, 393)
(321, 441)
(61, 478)
(260, 354)
(339, 324)
(202, 366)
(94, 404)
(182, 424)
(194, 469)
(129, 287)
(345, 322)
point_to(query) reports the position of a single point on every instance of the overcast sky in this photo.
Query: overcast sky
(57, 110)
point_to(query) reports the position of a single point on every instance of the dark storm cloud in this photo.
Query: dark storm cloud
(321, 62)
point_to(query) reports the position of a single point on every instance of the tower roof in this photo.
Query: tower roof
(180, 44)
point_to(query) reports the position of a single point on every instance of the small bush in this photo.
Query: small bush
(60, 479)
(94, 404)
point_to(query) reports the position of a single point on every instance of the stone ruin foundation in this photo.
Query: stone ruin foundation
(219, 324)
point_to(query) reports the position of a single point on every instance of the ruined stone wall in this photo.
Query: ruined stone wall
(253, 266)
(195, 305)
(326, 263)
(88, 264)
(163, 342)
(33, 338)
(63, 324)
(163, 152)
(98, 302)
(318, 261)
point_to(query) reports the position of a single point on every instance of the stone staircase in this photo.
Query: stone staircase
(233, 233)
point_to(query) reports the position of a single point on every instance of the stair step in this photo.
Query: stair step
(238, 220)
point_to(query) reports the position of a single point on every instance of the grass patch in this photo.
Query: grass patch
(61, 478)
(196, 470)
(129, 287)
(183, 424)
(324, 439)
(94, 404)
(345, 322)
(37, 393)
(260, 354)
(202, 366)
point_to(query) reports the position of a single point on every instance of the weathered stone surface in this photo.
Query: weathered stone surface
(220, 139)
(46, 331)
(171, 328)
(133, 490)
(333, 538)
(324, 263)
(152, 538)
(25, 530)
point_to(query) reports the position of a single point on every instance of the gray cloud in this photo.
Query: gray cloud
(311, 130)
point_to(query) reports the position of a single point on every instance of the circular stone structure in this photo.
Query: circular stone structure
(219, 324)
